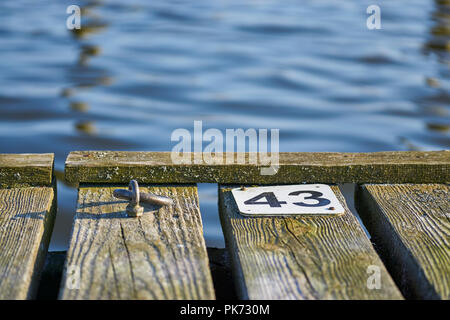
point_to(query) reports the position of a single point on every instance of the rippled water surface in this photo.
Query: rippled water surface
(137, 70)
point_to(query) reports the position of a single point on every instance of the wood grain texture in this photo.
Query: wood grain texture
(161, 255)
(26, 223)
(157, 167)
(26, 170)
(411, 225)
(301, 257)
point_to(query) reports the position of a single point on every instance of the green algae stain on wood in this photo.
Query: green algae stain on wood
(157, 167)
(301, 257)
(160, 255)
(18, 170)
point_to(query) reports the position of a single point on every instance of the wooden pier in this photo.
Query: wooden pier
(401, 197)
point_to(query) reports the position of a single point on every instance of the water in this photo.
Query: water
(140, 69)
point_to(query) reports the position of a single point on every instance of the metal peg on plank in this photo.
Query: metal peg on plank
(133, 195)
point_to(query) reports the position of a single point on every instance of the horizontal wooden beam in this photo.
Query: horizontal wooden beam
(158, 167)
(26, 169)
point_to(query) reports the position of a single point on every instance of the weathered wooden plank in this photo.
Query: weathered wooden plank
(161, 255)
(301, 257)
(411, 226)
(157, 167)
(26, 223)
(26, 169)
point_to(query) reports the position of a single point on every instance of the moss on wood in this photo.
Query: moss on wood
(21, 170)
(157, 167)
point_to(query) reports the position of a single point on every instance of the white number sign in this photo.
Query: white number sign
(303, 199)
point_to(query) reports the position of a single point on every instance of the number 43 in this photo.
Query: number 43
(272, 200)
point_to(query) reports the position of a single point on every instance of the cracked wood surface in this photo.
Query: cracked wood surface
(26, 223)
(294, 167)
(301, 257)
(411, 226)
(161, 255)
